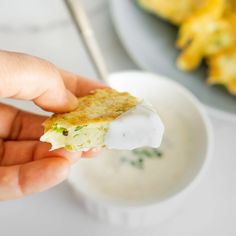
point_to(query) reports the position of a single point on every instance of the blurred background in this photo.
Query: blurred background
(45, 29)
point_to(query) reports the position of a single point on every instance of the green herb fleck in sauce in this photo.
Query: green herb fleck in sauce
(140, 155)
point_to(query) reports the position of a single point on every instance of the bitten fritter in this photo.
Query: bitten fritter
(86, 126)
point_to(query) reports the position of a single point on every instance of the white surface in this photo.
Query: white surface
(210, 210)
(123, 195)
(43, 28)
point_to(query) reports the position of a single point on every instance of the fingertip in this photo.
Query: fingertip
(72, 100)
(42, 151)
(60, 102)
(72, 157)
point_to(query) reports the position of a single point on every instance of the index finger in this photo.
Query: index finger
(30, 78)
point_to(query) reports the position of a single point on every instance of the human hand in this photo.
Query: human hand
(26, 165)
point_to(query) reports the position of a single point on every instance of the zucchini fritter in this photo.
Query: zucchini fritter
(86, 126)
(222, 69)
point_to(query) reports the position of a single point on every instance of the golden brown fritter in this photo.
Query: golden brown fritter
(197, 32)
(102, 105)
(222, 69)
(172, 11)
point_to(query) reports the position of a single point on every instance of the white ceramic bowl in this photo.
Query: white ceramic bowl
(167, 96)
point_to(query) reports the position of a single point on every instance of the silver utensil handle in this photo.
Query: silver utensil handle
(82, 23)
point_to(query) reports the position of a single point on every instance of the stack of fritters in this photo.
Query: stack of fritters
(207, 30)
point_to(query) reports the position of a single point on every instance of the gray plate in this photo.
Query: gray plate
(151, 43)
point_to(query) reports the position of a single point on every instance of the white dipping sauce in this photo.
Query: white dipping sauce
(109, 177)
(138, 127)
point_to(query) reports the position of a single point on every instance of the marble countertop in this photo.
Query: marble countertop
(44, 28)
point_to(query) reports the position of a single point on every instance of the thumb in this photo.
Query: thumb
(59, 101)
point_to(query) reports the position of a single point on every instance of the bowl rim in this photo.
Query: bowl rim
(203, 167)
